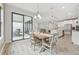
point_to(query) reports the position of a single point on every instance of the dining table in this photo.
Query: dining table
(41, 36)
(44, 37)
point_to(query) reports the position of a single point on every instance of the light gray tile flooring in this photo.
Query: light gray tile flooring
(23, 47)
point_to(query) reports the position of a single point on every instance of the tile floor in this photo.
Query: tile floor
(21, 37)
(23, 47)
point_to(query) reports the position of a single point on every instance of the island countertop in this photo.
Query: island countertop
(75, 37)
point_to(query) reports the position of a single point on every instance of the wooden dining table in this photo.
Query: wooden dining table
(44, 37)
(41, 35)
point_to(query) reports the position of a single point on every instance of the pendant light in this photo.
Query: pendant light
(37, 15)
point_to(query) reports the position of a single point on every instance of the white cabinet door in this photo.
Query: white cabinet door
(75, 37)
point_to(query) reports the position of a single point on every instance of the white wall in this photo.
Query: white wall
(73, 22)
(44, 22)
(2, 29)
(8, 10)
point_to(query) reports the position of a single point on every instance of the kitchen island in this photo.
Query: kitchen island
(75, 37)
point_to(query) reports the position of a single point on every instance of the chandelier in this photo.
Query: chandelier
(37, 15)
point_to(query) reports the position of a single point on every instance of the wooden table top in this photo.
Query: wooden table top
(41, 35)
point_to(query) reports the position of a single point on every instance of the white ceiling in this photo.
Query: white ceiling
(59, 10)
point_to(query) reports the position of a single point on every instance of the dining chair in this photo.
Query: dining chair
(35, 42)
(50, 43)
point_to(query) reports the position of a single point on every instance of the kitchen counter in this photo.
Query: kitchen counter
(75, 37)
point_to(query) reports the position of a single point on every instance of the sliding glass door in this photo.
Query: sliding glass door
(27, 27)
(21, 26)
(17, 27)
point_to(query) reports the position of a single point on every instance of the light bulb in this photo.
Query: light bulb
(35, 17)
(63, 7)
(39, 16)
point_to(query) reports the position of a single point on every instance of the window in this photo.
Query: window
(1, 22)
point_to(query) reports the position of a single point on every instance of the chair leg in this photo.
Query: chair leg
(42, 49)
(50, 50)
(34, 45)
(31, 44)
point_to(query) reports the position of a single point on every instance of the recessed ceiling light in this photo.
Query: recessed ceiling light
(63, 7)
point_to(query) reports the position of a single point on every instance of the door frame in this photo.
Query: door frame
(23, 25)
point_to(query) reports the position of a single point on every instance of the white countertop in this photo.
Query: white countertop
(75, 37)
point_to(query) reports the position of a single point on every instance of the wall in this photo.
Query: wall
(8, 10)
(2, 29)
(73, 22)
(44, 22)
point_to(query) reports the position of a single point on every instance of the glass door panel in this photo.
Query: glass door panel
(17, 27)
(27, 26)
